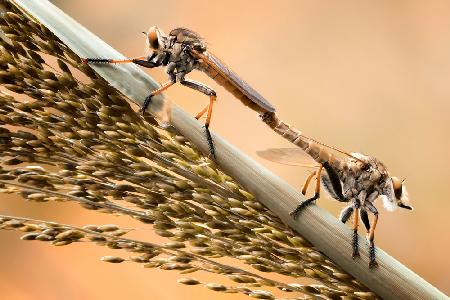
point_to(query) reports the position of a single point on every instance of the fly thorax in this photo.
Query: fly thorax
(362, 196)
(176, 52)
(348, 184)
(361, 176)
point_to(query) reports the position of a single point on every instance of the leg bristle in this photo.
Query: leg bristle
(301, 206)
(372, 263)
(96, 60)
(209, 139)
(355, 244)
(147, 102)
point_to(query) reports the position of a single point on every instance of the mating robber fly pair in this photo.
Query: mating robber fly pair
(353, 178)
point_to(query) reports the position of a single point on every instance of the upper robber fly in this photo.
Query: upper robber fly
(182, 51)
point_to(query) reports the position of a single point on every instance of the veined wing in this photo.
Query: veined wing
(288, 156)
(224, 76)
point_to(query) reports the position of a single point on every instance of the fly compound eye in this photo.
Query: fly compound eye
(398, 187)
(153, 38)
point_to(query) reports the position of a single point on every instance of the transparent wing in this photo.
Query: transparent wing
(288, 156)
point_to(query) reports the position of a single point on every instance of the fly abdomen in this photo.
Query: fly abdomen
(316, 150)
(224, 76)
(311, 147)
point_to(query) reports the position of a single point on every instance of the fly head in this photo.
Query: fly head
(156, 40)
(394, 194)
(400, 193)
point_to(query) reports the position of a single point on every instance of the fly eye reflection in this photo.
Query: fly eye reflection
(397, 186)
(153, 39)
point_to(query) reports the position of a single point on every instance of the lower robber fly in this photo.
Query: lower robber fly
(182, 51)
(356, 179)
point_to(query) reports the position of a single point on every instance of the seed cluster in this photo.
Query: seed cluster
(66, 135)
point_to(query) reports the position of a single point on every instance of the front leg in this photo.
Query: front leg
(346, 213)
(110, 60)
(371, 235)
(141, 60)
(212, 97)
(355, 241)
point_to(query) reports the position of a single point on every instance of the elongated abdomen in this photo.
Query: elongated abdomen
(314, 149)
(225, 77)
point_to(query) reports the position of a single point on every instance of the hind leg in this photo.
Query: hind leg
(307, 202)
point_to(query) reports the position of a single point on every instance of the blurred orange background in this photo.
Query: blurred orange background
(365, 76)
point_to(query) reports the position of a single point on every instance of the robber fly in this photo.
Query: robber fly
(182, 51)
(355, 178)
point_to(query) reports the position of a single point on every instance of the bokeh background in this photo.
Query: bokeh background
(365, 76)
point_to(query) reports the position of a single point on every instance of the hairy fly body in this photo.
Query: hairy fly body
(355, 178)
(182, 51)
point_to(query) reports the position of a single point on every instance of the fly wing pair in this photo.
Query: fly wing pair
(289, 156)
(224, 76)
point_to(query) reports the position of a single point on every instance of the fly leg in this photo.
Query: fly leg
(142, 61)
(356, 208)
(202, 112)
(307, 181)
(371, 235)
(365, 219)
(110, 61)
(346, 213)
(207, 109)
(305, 203)
(145, 61)
(158, 91)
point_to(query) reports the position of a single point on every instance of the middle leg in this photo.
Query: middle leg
(207, 109)
(355, 241)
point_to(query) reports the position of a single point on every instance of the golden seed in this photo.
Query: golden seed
(152, 264)
(241, 211)
(29, 236)
(61, 243)
(108, 228)
(216, 287)
(188, 281)
(70, 235)
(342, 276)
(112, 259)
(188, 271)
(174, 245)
(241, 279)
(365, 295)
(258, 294)
(44, 238)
